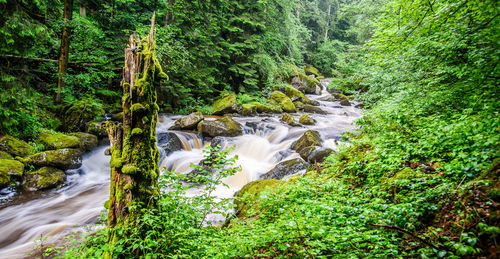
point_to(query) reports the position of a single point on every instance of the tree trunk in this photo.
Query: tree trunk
(64, 51)
(83, 10)
(134, 155)
(328, 21)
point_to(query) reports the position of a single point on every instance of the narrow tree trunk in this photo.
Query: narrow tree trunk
(328, 23)
(83, 9)
(64, 51)
(134, 155)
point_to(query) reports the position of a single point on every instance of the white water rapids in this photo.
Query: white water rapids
(27, 217)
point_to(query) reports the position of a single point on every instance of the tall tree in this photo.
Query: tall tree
(134, 155)
(65, 42)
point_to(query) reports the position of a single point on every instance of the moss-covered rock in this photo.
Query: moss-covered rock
(285, 168)
(5, 155)
(312, 71)
(57, 140)
(224, 126)
(307, 143)
(67, 158)
(188, 122)
(299, 105)
(288, 119)
(224, 105)
(10, 169)
(256, 107)
(305, 84)
(296, 95)
(250, 192)
(306, 120)
(318, 155)
(97, 128)
(344, 100)
(284, 102)
(313, 109)
(87, 141)
(44, 178)
(117, 116)
(14, 146)
(77, 114)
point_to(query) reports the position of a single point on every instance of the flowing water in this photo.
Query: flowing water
(266, 141)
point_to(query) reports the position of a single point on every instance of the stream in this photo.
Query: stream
(27, 217)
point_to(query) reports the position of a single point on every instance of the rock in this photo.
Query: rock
(256, 107)
(288, 119)
(344, 100)
(224, 126)
(169, 142)
(250, 192)
(218, 142)
(188, 122)
(97, 128)
(318, 155)
(14, 146)
(57, 140)
(328, 98)
(77, 114)
(44, 178)
(67, 158)
(87, 141)
(5, 155)
(284, 102)
(305, 84)
(313, 109)
(360, 105)
(295, 94)
(10, 169)
(299, 105)
(306, 100)
(285, 168)
(225, 105)
(309, 141)
(117, 117)
(107, 152)
(333, 90)
(312, 70)
(306, 120)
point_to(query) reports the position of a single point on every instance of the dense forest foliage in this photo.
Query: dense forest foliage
(419, 178)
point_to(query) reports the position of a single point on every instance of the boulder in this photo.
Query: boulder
(309, 141)
(306, 120)
(87, 141)
(77, 114)
(224, 126)
(249, 192)
(188, 122)
(169, 142)
(313, 109)
(10, 169)
(67, 158)
(44, 178)
(284, 102)
(97, 128)
(57, 140)
(297, 95)
(305, 84)
(318, 155)
(14, 146)
(285, 168)
(344, 100)
(312, 71)
(328, 98)
(360, 105)
(288, 119)
(256, 107)
(227, 104)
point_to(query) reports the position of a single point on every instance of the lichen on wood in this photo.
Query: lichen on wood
(134, 155)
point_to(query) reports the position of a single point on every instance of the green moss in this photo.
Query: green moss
(129, 169)
(87, 141)
(43, 178)
(11, 167)
(249, 193)
(128, 186)
(136, 107)
(57, 140)
(306, 120)
(283, 101)
(292, 92)
(67, 158)
(288, 119)
(224, 105)
(256, 107)
(312, 70)
(306, 143)
(5, 155)
(106, 204)
(116, 159)
(136, 132)
(14, 146)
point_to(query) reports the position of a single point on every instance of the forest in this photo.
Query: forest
(249, 129)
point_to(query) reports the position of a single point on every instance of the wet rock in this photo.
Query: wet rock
(87, 141)
(284, 102)
(286, 168)
(309, 141)
(67, 158)
(299, 105)
(328, 98)
(333, 90)
(313, 109)
(306, 120)
(77, 114)
(344, 100)
(218, 141)
(57, 140)
(107, 152)
(224, 126)
(360, 105)
(188, 122)
(10, 169)
(14, 146)
(169, 142)
(318, 155)
(248, 109)
(297, 95)
(250, 192)
(97, 128)
(44, 178)
(288, 119)
(227, 104)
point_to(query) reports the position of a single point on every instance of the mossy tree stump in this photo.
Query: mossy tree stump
(134, 155)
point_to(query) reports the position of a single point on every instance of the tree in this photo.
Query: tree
(134, 155)
(65, 42)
